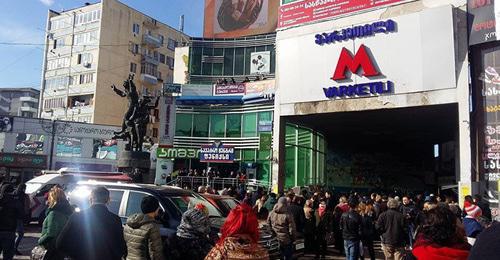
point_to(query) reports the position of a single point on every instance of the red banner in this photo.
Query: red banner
(314, 10)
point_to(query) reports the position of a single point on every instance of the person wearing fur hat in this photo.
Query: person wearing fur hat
(192, 238)
(471, 223)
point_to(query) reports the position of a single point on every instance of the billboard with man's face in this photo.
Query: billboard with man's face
(236, 18)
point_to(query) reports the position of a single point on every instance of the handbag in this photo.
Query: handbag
(38, 253)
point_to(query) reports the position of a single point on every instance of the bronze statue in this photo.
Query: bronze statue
(136, 119)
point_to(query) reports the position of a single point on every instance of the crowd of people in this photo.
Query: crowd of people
(418, 227)
(211, 173)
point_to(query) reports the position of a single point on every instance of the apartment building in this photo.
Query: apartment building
(19, 102)
(91, 48)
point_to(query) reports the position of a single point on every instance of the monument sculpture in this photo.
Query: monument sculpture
(133, 159)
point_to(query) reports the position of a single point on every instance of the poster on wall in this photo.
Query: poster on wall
(489, 142)
(69, 147)
(260, 62)
(236, 18)
(29, 143)
(105, 149)
(296, 12)
(481, 21)
(6, 123)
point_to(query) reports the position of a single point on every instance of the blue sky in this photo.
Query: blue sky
(23, 21)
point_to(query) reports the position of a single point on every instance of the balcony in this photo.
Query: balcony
(150, 59)
(149, 79)
(151, 41)
(28, 99)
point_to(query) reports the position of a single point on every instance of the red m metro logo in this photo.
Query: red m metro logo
(360, 60)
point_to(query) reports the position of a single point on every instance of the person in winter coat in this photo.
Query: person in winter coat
(369, 232)
(94, 233)
(297, 212)
(270, 202)
(471, 223)
(487, 244)
(309, 227)
(392, 225)
(439, 238)
(351, 226)
(239, 237)
(283, 225)
(191, 241)
(24, 202)
(142, 233)
(323, 228)
(9, 212)
(58, 213)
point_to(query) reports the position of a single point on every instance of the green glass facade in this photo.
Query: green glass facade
(304, 156)
(229, 125)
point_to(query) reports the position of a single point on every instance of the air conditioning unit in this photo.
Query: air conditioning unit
(87, 64)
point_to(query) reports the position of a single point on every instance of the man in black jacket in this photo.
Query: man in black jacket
(9, 211)
(351, 225)
(391, 224)
(94, 233)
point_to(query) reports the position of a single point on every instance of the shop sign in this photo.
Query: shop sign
(229, 89)
(217, 153)
(23, 160)
(171, 88)
(355, 32)
(261, 86)
(348, 63)
(482, 22)
(182, 153)
(305, 11)
(265, 126)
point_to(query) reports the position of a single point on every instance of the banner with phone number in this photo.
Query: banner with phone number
(299, 12)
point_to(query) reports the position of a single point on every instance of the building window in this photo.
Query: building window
(84, 38)
(85, 58)
(54, 103)
(88, 17)
(57, 82)
(150, 69)
(133, 67)
(60, 23)
(162, 39)
(183, 124)
(134, 48)
(162, 58)
(135, 28)
(58, 63)
(217, 125)
(86, 78)
(233, 125)
(200, 125)
(58, 43)
(249, 124)
(171, 44)
(155, 132)
(170, 62)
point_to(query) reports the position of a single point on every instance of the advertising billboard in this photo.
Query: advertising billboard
(481, 22)
(260, 62)
(217, 153)
(236, 18)
(296, 12)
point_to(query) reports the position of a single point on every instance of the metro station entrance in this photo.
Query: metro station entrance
(404, 149)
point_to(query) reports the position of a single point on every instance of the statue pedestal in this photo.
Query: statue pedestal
(135, 164)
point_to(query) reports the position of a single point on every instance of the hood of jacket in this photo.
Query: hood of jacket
(138, 220)
(62, 207)
(440, 253)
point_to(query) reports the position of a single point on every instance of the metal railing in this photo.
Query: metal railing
(217, 183)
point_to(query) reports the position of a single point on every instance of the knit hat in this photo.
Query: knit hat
(472, 210)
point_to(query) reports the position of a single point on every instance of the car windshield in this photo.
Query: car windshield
(186, 202)
(230, 203)
(32, 187)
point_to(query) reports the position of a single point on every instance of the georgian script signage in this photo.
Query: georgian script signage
(217, 152)
(229, 89)
(175, 152)
(23, 160)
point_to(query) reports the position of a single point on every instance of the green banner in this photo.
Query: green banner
(284, 2)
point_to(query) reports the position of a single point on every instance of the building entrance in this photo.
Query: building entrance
(407, 149)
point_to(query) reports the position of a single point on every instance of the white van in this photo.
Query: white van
(38, 187)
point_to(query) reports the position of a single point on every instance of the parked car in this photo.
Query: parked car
(267, 238)
(38, 187)
(125, 200)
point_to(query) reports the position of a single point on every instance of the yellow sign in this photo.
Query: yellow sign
(464, 190)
